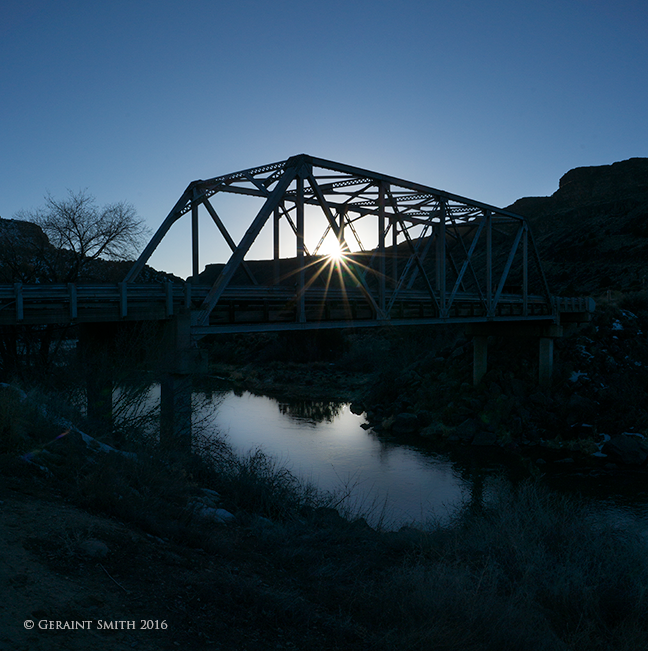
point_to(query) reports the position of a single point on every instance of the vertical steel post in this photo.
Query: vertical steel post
(381, 248)
(275, 246)
(301, 303)
(394, 225)
(194, 238)
(441, 260)
(489, 263)
(525, 271)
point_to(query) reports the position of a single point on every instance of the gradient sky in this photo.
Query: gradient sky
(490, 100)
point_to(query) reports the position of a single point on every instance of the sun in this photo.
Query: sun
(335, 251)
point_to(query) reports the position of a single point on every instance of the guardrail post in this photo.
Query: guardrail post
(18, 293)
(169, 298)
(72, 292)
(123, 300)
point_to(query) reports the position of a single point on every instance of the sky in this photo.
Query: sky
(488, 100)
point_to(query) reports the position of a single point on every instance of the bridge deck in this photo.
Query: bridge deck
(256, 308)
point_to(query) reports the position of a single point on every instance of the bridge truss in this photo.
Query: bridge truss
(432, 256)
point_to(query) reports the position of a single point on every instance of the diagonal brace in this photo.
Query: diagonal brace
(241, 250)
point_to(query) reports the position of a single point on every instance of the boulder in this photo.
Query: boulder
(484, 438)
(356, 408)
(425, 417)
(467, 429)
(405, 423)
(432, 431)
(630, 450)
(93, 548)
(579, 408)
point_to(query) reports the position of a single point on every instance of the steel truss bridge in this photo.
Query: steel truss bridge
(409, 254)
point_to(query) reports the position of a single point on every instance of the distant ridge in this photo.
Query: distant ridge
(592, 233)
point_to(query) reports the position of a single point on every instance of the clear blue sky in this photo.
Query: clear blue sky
(492, 100)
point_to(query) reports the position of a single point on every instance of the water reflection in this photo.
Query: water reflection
(311, 410)
(324, 443)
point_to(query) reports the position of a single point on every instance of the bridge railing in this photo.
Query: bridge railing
(264, 307)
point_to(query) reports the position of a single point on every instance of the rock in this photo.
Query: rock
(432, 431)
(425, 417)
(518, 388)
(220, 516)
(467, 429)
(260, 522)
(579, 408)
(93, 548)
(566, 460)
(361, 525)
(356, 408)
(224, 516)
(457, 352)
(405, 423)
(406, 538)
(484, 438)
(539, 398)
(327, 517)
(581, 431)
(630, 450)
(209, 498)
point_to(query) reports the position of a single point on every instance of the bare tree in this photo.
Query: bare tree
(62, 244)
(79, 231)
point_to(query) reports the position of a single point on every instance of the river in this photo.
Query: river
(396, 482)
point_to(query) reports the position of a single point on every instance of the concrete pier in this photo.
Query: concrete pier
(179, 362)
(96, 345)
(544, 333)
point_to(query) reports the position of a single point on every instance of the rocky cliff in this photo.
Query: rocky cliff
(593, 231)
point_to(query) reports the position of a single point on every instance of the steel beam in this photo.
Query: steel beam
(237, 256)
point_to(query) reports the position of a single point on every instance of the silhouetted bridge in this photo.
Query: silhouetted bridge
(406, 254)
(410, 254)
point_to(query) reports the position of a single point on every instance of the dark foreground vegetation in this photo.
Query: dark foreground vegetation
(287, 567)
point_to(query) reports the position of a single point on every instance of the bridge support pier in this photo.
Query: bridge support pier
(480, 358)
(545, 334)
(175, 411)
(96, 343)
(545, 361)
(181, 362)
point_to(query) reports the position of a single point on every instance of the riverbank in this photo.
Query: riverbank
(317, 381)
(418, 384)
(234, 553)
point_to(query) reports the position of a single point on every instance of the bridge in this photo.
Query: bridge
(348, 247)
(400, 253)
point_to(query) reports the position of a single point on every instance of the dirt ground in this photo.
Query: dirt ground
(61, 566)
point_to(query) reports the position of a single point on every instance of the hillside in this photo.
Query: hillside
(27, 256)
